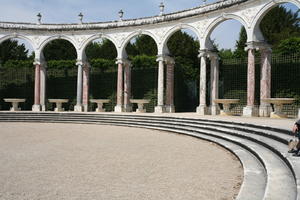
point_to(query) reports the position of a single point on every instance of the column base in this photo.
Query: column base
(215, 110)
(78, 108)
(127, 108)
(170, 109)
(159, 109)
(85, 108)
(59, 109)
(202, 110)
(119, 108)
(250, 111)
(36, 108)
(265, 110)
(43, 108)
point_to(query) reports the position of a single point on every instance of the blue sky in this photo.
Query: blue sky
(66, 11)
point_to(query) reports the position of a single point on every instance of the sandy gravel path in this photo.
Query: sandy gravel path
(64, 161)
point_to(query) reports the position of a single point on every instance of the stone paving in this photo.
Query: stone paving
(69, 161)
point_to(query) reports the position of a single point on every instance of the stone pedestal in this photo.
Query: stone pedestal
(170, 108)
(78, 108)
(215, 110)
(127, 108)
(202, 110)
(250, 111)
(159, 109)
(265, 110)
(36, 108)
(118, 108)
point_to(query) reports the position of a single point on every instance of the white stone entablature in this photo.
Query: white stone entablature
(201, 20)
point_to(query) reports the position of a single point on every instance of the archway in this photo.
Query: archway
(280, 27)
(140, 50)
(58, 62)
(100, 71)
(228, 38)
(16, 71)
(183, 46)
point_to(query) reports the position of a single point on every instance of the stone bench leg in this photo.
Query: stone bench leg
(100, 107)
(15, 106)
(226, 110)
(59, 107)
(140, 108)
(278, 112)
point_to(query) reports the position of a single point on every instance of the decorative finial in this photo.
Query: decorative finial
(39, 17)
(162, 8)
(80, 17)
(121, 13)
(204, 2)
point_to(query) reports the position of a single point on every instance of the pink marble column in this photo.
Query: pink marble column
(127, 87)
(265, 82)
(37, 79)
(170, 86)
(85, 86)
(119, 106)
(250, 109)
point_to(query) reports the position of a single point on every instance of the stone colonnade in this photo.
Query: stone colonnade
(165, 80)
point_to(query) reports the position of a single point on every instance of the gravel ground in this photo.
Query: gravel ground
(64, 161)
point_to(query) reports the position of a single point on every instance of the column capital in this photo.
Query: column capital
(203, 53)
(160, 58)
(257, 45)
(169, 60)
(212, 55)
(79, 62)
(123, 61)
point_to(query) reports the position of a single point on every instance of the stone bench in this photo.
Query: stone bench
(226, 105)
(278, 104)
(140, 103)
(99, 103)
(15, 103)
(58, 103)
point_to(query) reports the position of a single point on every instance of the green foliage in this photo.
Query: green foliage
(226, 54)
(61, 64)
(152, 96)
(289, 46)
(101, 50)
(143, 61)
(240, 44)
(279, 24)
(142, 45)
(60, 50)
(11, 50)
(102, 64)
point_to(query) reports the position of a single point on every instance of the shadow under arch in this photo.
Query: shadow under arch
(211, 27)
(263, 11)
(173, 30)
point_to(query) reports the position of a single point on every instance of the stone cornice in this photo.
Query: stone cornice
(124, 23)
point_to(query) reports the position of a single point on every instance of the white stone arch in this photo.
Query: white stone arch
(19, 36)
(164, 47)
(95, 37)
(55, 37)
(122, 50)
(255, 29)
(218, 21)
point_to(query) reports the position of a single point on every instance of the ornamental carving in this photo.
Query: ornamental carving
(249, 15)
(202, 26)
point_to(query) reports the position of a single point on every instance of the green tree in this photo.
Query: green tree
(104, 49)
(142, 45)
(11, 50)
(289, 46)
(60, 50)
(240, 44)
